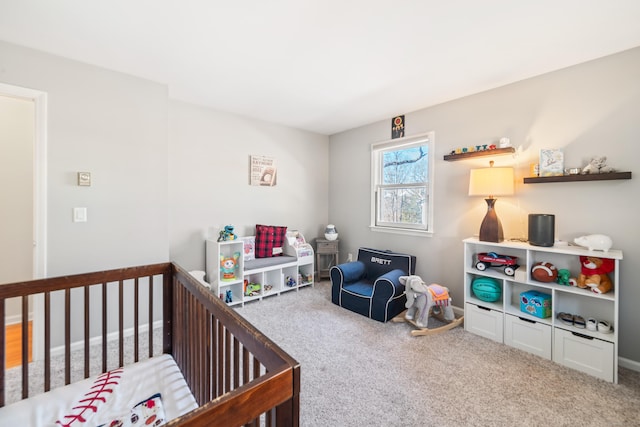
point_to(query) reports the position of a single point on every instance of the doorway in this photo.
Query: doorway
(23, 186)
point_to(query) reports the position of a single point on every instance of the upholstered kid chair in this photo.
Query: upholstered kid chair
(370, 286)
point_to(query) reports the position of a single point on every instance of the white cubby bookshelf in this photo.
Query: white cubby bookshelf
(290, 272)
(593, 352)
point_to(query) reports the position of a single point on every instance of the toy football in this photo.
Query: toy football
(544, 272)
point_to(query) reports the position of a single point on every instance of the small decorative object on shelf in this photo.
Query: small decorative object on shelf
(597, 165)
(594, 274)
(551, 162)
(226, 234)
(536, 303)
(331, 233)
(544, 271)
(595, 242)
(228, 266)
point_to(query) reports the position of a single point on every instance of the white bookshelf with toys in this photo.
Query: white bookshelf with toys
(237, 277)
(538, 300)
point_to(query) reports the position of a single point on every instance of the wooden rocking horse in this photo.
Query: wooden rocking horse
(424, 301)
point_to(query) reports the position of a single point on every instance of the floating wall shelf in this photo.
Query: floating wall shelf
(481, 153)
(572, 178)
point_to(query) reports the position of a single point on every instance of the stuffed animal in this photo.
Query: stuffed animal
(594, 274)
(226, 234)
(597, 165)
(564, 277)
(228, 266)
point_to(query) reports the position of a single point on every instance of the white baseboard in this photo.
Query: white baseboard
(629, 364)
(15, 319)
(458, 311)
(113, 336)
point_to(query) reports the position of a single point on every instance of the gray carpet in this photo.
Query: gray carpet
(359, 372)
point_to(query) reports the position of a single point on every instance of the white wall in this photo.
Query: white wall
(209, 179)
(114, 126)
(590, 109)
(157, 166)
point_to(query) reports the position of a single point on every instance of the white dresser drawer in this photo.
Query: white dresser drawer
(528, 335)
(483, 321)
(586, 354)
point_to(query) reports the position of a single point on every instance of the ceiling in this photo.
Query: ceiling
(324, 65)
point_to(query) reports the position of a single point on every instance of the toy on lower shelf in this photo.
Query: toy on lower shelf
(228, 265)
(251, 289)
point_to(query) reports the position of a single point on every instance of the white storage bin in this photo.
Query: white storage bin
(584, 353)
(528, 335)
(483, 321)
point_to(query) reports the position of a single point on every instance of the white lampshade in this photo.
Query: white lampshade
(489, 182)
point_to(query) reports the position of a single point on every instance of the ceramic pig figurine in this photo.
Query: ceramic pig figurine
(595, 242)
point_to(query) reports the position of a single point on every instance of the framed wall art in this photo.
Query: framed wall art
(262, 171)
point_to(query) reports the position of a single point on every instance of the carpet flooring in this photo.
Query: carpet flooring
(360, 372)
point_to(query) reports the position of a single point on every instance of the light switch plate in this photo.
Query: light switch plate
(79, 214)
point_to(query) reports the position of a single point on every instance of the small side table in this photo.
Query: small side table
(327, 249)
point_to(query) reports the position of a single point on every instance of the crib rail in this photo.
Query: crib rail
(248, 380)
(237, 375)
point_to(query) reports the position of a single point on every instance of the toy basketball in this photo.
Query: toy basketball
(486, 289)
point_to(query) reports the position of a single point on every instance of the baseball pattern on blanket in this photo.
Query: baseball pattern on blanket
(148, 412)
(102, 387)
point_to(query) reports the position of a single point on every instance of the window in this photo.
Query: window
(402, 184)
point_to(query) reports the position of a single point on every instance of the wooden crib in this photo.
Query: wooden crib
(235, 373)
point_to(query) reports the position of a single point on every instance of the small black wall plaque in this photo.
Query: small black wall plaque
(397, 127)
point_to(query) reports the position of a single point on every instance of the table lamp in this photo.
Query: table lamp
(490, 182)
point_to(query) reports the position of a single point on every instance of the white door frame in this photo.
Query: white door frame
(39, 200)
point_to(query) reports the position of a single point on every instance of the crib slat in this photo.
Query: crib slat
(25, 346)
(227, 361)
(104, 327)
(120, 324)
(150, 316)
(220, 361)
(47, 341)
(67, 336)
(236, 363)
(86, 332)
(136, 340)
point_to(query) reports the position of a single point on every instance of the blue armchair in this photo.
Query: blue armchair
(370, 286)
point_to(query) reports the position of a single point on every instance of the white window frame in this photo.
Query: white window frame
(377, 149)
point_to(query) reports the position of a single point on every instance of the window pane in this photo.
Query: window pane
(403, 205)
(406, 166)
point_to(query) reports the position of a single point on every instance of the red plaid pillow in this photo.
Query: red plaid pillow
(269, 240)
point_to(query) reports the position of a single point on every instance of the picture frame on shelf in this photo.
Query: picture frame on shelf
(551, 162)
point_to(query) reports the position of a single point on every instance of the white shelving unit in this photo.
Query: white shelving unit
(289, 273)
(593, 352)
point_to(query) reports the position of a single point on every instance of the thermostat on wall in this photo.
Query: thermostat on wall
(84, 178)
